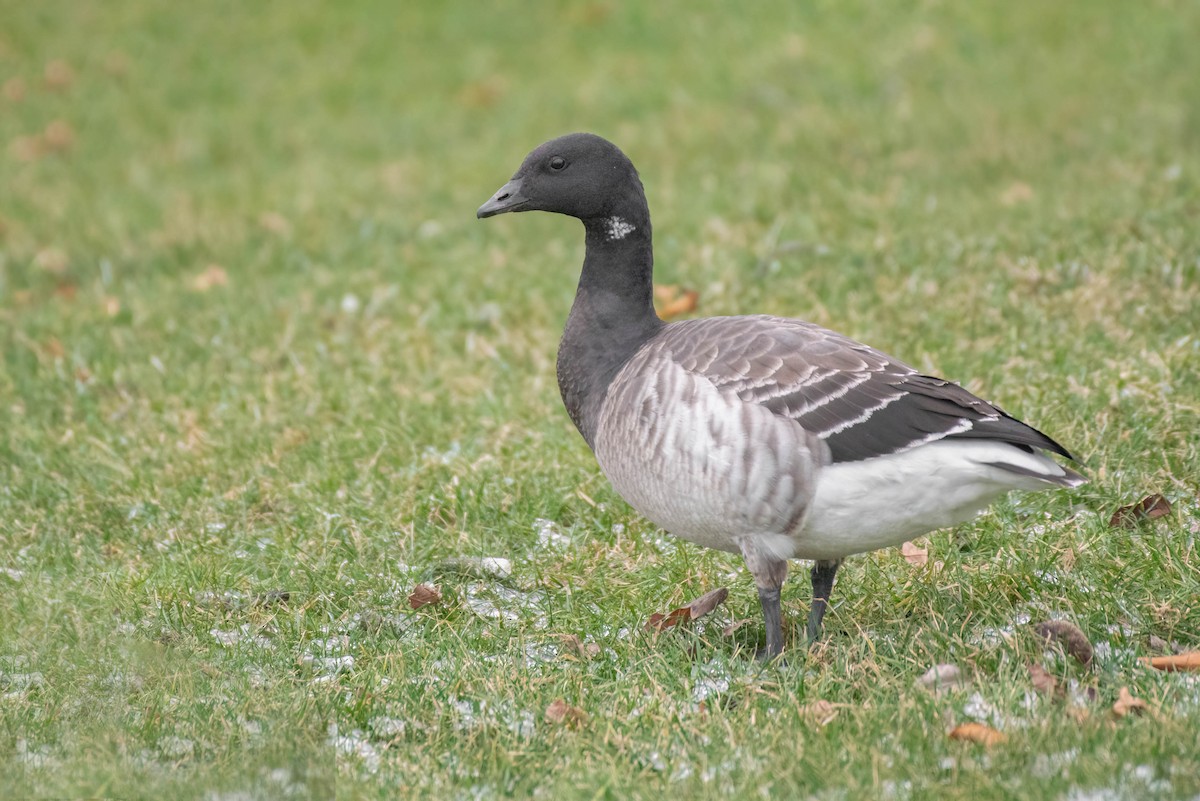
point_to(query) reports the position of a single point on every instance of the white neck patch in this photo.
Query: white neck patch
(617, 228)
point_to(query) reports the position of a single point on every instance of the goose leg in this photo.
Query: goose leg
(769, 574)
(822, 583)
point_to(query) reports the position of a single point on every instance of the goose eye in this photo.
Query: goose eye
(558, 163)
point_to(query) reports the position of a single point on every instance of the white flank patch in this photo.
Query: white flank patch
(876, 503)
(617, 228)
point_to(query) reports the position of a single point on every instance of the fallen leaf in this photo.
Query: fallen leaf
(820, 712)
(914, 554)
(58, 75)
(275, 223)
(424, 595)
(977, 733)
(211, 276)
(674, 301)
(1017, 192)
(26, 148)
(1043, 681)
(52, 260)
(697, 608)
(943, 678)
(1173, 662)
(1127, 703)
(1073, 641)
(58, 137)
(576, 647)
(14, 90)
(1147, 508)
(560, 711)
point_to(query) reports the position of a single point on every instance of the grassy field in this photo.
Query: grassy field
(263, 373)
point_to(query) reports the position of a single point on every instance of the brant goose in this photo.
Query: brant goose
(765, 436)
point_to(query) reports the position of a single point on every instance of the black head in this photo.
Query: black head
(581, 175)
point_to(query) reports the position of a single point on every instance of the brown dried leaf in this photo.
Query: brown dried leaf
(274, 222)
(58, 137)
(943, 678)
(26, 148)
(820, 712)
(677, 302)
(977, 733)
(52, 260)
(576, 647)
(914, 554)
(697, 608)
(424, 595)
(1073, 641)
(1017, 192)
(1147, 508)
(708, 602)
(212, 276)
(14, 90)
(58, 75)
(1173, 662)
(1043, 681)
(560, 711)
(1127, 703)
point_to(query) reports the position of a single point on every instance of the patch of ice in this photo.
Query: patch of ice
(355, 745)
(524, 725)
(384, 726)
(173, 747)
(434, 456)
(980, 709)
(39, 757)
(549, 535)
(328, 665)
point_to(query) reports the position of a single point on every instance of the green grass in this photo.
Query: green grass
(1006, 194)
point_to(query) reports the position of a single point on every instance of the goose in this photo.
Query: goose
(763, 436)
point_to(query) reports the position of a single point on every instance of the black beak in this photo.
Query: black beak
(507, 198)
